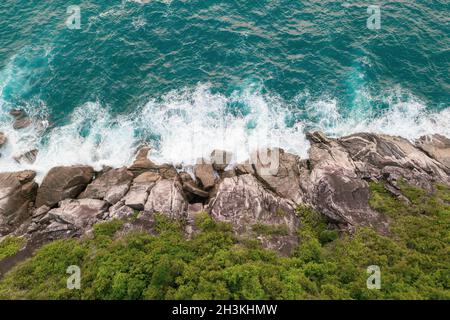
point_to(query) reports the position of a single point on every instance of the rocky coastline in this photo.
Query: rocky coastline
(334, 180)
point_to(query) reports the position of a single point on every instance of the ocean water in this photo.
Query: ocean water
(186, 77)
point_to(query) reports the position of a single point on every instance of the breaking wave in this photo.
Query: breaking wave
(187, 124)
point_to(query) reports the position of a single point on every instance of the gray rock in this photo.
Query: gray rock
(81, 213)
(285, 181)
(374, 152)
(244, 202)
(344, 199)
(63, 183)
(189, 187)
(109, 183)
(142, 163)
(167, 197)
(116, 193)
(120, 211)
(137, 196)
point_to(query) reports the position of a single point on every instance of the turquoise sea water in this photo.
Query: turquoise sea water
(190, 76)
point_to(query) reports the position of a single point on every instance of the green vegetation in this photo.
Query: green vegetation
(414, 259)
(270, 230)
(10, 246)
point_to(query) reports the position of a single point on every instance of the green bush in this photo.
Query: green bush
(9, 246)
(214, 264)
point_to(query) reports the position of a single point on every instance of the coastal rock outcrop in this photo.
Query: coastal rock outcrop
(437, 147)
(259, 198)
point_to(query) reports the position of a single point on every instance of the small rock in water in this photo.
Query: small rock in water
(21, 120)
(28, 157)
(3, 139)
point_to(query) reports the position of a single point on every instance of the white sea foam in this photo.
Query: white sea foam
(186, 125)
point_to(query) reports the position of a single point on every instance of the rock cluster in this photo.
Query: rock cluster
(251, 196)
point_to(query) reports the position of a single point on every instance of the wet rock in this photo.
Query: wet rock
(113, 184)
(167, 197)
(17, 193)
(63, 183)
(28, 157)
(3, 139)
(21, 120)
(205, 173)
(21, 123)
(142, 163)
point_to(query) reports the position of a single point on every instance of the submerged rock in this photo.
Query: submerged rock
(21, 120)
(28, 157)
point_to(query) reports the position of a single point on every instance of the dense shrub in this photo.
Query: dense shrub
(414, 259)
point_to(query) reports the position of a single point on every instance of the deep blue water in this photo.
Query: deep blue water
(189, 76)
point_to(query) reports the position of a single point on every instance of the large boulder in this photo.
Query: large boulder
(245, 203)
(205, 173)
(17, 193)
(334, 179)
(142, 163)
(284, 178)
(139, 190)
(167, 198)
(344, 199)
(63, 183)
(79, 214)
(111, 185)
